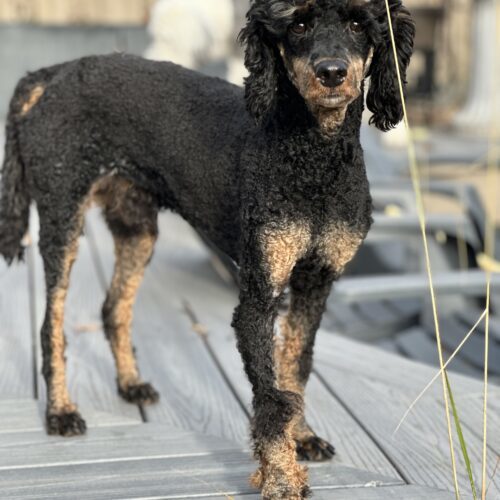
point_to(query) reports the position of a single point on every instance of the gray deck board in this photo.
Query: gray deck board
(105, 444)
(27, 415)
(416, 344)
(16, 355)
(219, 473)
(406, 492)
(420, 448)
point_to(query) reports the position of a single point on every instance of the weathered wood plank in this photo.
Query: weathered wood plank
(416, 344)
(90, 366)
(407, 492)
(420, 448)
(220, 473)
(212, 303)
(21, 416)
(105, 444)
(171, 354)
(358, 358)
(16, 354)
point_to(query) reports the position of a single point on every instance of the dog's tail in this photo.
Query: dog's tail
(14, 196)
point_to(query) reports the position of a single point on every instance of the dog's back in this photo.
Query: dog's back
(174, 132)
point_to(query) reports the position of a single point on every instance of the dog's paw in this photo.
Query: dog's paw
(66, 424)
(143, 393)
(314, 449)
(278, 485)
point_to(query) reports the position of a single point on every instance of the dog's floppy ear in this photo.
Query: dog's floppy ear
(383, 98)
(260, 61)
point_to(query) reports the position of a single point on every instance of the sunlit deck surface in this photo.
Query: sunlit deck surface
(194, 442)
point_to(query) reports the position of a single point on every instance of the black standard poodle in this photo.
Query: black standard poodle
(273, 176)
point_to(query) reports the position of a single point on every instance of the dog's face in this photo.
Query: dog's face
(326, 48)
(327, 51)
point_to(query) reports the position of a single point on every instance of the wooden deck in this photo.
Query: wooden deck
(193, 443)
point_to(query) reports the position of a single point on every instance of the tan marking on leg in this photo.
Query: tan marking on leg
(33, 98)
(283, 247)
(132, 256)
(279, 474)
(338, 245)
(59, 400)
(288, 349)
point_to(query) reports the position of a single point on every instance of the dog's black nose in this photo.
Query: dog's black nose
(331, 72)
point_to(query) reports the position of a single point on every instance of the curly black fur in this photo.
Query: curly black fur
(383, 97)
(185, 142)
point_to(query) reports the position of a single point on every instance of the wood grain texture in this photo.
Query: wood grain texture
(220, 473)
(420, 448)
(407, 492)
(416, 344)
(358, 358)
(90, 367)
(171, 354)
(16, 355)
(105, 444)
(22, 416)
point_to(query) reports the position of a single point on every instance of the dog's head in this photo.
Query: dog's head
(325, 49)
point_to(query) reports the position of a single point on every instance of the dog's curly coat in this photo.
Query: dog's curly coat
(281, 189)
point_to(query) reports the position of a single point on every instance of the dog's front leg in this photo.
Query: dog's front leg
(310, 286)
(276, 411)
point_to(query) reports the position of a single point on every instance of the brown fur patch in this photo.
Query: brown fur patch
(288, 349)
(132, 256)
(279, 474)
(33, 98)
(59, 400)
(283, 246)
(110, 192)
(338, 245)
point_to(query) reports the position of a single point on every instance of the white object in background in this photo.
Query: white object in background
(479, 111)
(396, 138)
(191, 31)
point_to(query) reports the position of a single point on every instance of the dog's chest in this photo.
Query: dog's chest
(337, 244)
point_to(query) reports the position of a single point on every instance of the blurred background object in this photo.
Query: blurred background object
(191, 32)
(453, 101)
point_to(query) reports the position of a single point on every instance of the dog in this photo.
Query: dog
(273, 175)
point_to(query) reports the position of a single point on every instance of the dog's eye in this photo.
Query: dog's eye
(298, 28)
(355, 27)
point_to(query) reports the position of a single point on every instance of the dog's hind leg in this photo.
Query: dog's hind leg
(60, 228)
(310, 286)
(131, 215)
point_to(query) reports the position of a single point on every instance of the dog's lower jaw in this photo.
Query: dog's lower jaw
(329, 119)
